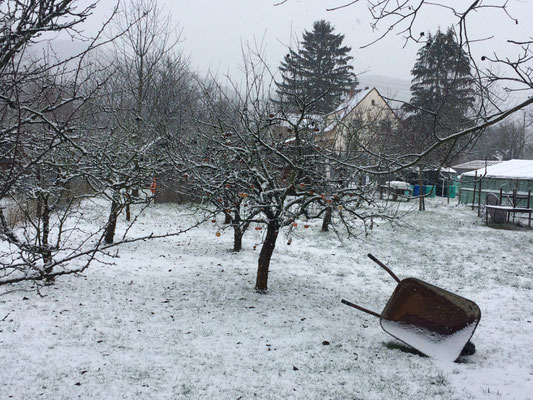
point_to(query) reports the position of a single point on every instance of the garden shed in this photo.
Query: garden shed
(511, 181)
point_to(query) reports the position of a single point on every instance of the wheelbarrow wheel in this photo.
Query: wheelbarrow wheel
(469, 349)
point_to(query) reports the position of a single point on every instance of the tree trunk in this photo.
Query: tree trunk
(237, 232)
(265, 255)
(112, 222)
(46, 252)
(227, 218)
(237, 238)
(128, 197)
(5, 229)
(327, 220)
(421, 203)
(227, 213)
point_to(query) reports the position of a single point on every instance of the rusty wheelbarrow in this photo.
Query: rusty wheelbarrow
(432, 320)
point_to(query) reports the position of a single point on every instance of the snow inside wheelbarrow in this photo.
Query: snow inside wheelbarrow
(430, 319)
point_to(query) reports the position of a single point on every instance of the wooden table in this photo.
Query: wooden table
(509, 210)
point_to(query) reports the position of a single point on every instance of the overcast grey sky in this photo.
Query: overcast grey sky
(214, 30)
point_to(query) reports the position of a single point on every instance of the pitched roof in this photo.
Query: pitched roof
(475, 164)
(512, 169)
(348, 105)
(352, 101)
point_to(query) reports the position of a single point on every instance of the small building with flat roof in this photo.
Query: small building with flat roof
(511, 180)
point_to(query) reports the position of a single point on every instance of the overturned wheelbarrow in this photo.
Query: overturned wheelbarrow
(432, 320)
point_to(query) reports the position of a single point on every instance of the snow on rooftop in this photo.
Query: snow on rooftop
(290, 119)
(349, 103)
(512, 169)
(340, 112)
(476, 164)
(346, 106)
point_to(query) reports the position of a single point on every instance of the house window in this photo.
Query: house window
(373, 102)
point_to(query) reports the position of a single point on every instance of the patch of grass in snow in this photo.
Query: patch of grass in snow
(394, 345)
(508, 227)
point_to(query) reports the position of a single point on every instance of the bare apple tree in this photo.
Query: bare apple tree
(135, 111)
(71, 128)
(267, 167)
(41, 102)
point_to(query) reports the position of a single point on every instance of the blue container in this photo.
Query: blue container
(427, 190)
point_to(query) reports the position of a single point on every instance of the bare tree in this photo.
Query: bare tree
(136, 111)
(40, 101)
(506, 140)
(267, 167)
(62, 139)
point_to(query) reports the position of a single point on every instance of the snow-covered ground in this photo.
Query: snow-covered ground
(179, 318)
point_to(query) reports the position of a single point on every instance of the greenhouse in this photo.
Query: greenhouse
(511, 181)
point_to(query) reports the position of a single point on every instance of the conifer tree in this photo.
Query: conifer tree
(442, 91)
(442, 97)
(318, 74)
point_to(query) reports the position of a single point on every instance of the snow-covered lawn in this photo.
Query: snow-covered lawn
(179, 318)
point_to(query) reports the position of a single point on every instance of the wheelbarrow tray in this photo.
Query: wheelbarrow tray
(432, 320)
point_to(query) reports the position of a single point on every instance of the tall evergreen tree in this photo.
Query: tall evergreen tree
(318, 74)
(442, 97)
(442, 93)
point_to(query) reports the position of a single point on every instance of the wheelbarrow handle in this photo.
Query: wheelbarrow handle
(384, 267)
(375, 314)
